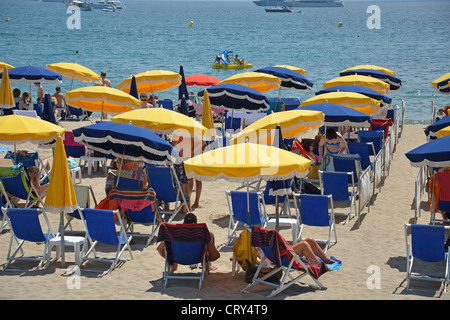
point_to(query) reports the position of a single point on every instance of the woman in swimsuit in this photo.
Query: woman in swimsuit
(332, 143)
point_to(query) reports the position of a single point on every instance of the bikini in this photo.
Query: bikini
(332, 144)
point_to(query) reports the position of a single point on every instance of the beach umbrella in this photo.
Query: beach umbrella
(352, 100)
(162, 121)
(435, 153)
(4, 64)
(339, 115)
(102, 99)
(33, 74)
(6, 94)
(127, 141)
(236, 97)
(431, 130)
(133, 89)
(442, 84)
(48, 113)
(293, 123)
(201, 80)
(385, 100)
(207, 117)
(16, 129)
(293, 68)
(74, 71)
(394, 83)
(259, 81)
(289, 78)
(60, 197)
(183, 107)
(372, 67)
(182, 89)
(152, 81)
(365, 81)
(443, 132)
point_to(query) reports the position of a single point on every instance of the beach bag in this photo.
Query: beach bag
(314, 171)
(243, 250)
(250, 273)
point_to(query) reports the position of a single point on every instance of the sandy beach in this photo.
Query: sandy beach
(372, 249)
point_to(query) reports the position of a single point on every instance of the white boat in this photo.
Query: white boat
(279, 9)
(299, 3)
(84, 6)
(109, 9)
(105, 4)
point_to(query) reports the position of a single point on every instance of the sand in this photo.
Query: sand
(373, 251)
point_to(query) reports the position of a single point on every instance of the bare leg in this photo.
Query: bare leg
(311, 250)
(198, 192)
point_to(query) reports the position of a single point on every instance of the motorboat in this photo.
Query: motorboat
(279, 9)
(299, 3)
(84, 6)
(105, 4)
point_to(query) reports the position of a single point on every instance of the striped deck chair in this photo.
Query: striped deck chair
(29, 159)
(440, 192)
(185, 244)
(16, 184)
(280, 252)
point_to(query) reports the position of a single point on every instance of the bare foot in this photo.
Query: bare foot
(195, 205)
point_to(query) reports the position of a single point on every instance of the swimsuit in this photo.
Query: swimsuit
(332, 144)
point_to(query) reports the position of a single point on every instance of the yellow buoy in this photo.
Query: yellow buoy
(191, 23)
(7, 19)
(340, 24)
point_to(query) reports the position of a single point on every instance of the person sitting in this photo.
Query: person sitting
(144, 101)
(237, 60)
(25, 103)
(212, 254)
(331, 143)
(218, 59)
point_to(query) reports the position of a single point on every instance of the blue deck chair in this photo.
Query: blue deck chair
(336, 184)
(166, 104)
(376, 137)
(3, 204)
(426, 243)
(29, 159)
(364, 150)
(78, 112)
(101, 228)
(163, 181)
(16, 184)
(348, 163)
(282, 200)
(237, 204)
(26, 227)
(293, 267)
(184, 244)
(317, 210)
(233, 124)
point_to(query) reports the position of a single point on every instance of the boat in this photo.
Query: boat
(299, 3)
(84, 6)
(105, 4)
(109, 9)
(279, 9)
(224, 62)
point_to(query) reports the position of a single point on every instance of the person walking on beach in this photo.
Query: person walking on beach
(104, 81)
(59, 101)
(40, 93)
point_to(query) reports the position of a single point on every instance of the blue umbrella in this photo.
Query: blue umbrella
(435, 153)
(182, 89)
(236, 97)
(133, 88)
(127, 141)
(33, 74)
(339, 115)
(184, 107)
(289, 78)
(443, 86)
(48, 113)
(394, 82)
(385, 100)
(431, 130)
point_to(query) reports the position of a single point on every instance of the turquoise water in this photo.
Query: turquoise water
(413, 41)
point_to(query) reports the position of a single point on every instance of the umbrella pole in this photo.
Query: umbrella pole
(61, 230)
(277, 215)
(248, 204)
(120, 168)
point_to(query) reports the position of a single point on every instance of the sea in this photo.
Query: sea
(410, 37)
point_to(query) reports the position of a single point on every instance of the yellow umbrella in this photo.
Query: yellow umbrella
(152, 81)
(365, 81)
(443, 132)
(292, 124)
(3, 65)
(74, 71)
(102, 99)
(296, 69)
(246, 162)
(372, 67)
(60, 197)
(162, 121)
(352, 100)
(207, 118)
(261, 82)
(16, 129)
(6, 94)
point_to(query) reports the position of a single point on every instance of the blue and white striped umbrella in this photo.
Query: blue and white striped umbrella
(394, 82)
(289, 78)
(431, 130)
(127, 141)
(236, 97)
(435, 153)
(384, 100)
(339, 115)
(33, 74)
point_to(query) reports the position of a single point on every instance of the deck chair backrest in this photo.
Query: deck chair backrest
(30, 159)
(336, 184)
(239, 207)
(428, 242)
(101, 225)
(372, 136)
(160, 178)
(187, 253)
(363, 149)
(348, 163)
(83, 195)
(443, 180)
(25, 224)
(15, 182)
(314, 210)
(166, 104)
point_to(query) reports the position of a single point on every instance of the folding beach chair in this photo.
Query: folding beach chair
(29, 159)
(3, 204)
(185, 244)
(101, 228)
(348, 163)
(376, 137)
(16, 184)
(26, 227)
(381, 125)
(280, 252)
(283, 202)
(76, 112)
(73, 149)
(166, 104)
(336, 184)
(237, 204)
(317, 211)
(164, 182)
(441, 191)
(426, 243)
